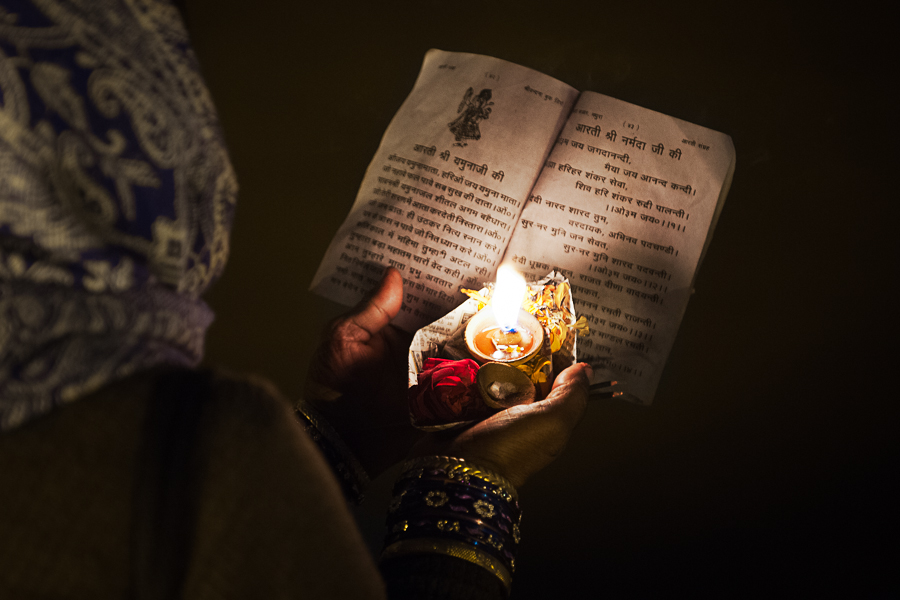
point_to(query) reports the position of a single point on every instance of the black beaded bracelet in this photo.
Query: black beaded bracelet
(349, 473)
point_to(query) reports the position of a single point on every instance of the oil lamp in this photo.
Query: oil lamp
(519, 335)
(502, 331)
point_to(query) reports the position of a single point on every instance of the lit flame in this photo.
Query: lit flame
(507, 298)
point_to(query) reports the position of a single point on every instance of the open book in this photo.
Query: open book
(489, 162)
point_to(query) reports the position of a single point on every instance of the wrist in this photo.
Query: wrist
(348, 470)
(450, 506)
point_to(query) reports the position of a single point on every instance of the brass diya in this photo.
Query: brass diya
(488, 342)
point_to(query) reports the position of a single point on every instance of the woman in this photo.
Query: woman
(126, 471)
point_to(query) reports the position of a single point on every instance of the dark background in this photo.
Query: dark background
(766, 464)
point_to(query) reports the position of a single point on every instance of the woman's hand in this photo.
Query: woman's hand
(522, 440)
(358, 378)
(358, 383)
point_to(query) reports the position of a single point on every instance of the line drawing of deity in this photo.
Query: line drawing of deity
(473, 110)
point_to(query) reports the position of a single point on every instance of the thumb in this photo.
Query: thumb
(568, 397)
(554, 417)
(377, 309)
(561, 410)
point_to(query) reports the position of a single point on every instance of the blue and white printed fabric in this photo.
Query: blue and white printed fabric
(116, 198)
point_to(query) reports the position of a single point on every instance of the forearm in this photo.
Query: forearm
(452, 527)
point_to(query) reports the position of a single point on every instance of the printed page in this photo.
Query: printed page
(445, 189)
(624, 208)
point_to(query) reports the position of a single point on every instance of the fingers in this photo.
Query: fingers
(580, 371)
(553, 418)
(377, 310)
(524, 439)
(567, 399)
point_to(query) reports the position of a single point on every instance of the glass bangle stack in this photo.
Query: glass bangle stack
(448, 506)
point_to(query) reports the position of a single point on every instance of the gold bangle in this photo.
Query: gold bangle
(455, 549)
(458, 468)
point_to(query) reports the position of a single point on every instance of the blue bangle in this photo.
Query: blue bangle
(448, 506)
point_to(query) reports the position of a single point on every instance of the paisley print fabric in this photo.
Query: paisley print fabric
(116, 198)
